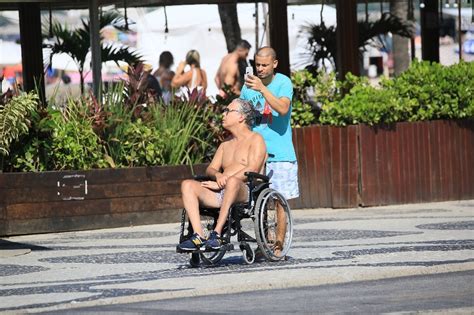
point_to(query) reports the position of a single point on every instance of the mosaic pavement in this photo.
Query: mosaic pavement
(64, 270)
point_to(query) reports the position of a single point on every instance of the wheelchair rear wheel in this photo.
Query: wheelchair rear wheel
(208, 222)
(273, 224)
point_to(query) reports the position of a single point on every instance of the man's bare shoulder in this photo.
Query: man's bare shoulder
(257, 138)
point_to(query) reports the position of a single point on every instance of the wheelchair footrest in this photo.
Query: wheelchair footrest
(226, 247)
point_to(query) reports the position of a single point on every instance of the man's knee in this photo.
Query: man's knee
(233, 183)
(187, 186)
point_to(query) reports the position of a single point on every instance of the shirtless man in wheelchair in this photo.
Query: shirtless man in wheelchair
(244, 151)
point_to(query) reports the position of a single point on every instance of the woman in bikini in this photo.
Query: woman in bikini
(193, 79)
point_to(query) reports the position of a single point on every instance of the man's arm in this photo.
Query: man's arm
(280, 105)
(180, 77)
(217, 78)
(231, 77)
(213, 170)
(216, 163)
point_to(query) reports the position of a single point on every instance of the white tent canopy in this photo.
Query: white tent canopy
(199, 27)
(10, 53)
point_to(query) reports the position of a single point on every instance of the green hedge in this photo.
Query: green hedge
(426, 91)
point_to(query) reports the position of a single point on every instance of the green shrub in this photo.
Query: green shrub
(365, 104)
(303, 113)
(140, 145)
(74, 144)
(426, 91)
(439, 92)
(310, 93)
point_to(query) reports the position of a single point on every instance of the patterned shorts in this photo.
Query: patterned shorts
(284, 178)
(220, 195)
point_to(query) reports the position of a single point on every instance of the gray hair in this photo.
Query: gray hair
(247, 110)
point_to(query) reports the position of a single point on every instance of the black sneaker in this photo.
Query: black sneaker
(194, 243)
(214, 241)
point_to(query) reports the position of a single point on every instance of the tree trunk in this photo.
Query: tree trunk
(81, 78)
(230, 25)
(401, 57)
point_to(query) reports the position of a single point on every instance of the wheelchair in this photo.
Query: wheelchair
(272, 228)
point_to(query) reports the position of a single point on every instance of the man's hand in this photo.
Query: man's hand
(254, 82)
(221, 180)
(211, 185)
(280, 105)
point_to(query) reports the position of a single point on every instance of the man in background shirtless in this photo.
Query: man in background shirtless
(244, 151)
(228, 72)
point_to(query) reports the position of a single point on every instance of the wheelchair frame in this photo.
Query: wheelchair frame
(260, 208)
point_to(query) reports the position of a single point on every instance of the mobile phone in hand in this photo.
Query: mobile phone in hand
(248, 70)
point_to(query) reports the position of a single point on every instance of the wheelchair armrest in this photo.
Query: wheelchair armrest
(253, 175)
(203, 178)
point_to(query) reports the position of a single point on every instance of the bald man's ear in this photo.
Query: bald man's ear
(275, 64)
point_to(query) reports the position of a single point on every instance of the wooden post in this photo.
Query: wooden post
(95, 48)
(459, 30)
(278, 16)
(429, 19)
(347, 38)
(31, 48)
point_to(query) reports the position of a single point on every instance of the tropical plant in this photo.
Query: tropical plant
(310, 92)
(14, 119)
(137, 88)
(321, 40)
(153, 133)
(425, 91)
(74, 144)
(76, 43)
(185, 128)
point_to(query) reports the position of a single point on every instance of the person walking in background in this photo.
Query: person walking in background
(271, 94)
(165, 75)
(228, 72)
(193, 79)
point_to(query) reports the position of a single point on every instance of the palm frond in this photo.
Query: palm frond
(321, 40)
(116, 54)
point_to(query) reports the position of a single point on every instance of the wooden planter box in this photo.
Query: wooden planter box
(401, 163)
(338, 167)
(79, 200)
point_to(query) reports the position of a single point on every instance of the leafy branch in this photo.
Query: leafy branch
(14, 120)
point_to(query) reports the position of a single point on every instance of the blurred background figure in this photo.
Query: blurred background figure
(165, 75)
(193, 79)
(229, 73)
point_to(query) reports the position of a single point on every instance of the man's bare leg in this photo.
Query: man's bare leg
(193, 195)
(281, 229)
(235, 190)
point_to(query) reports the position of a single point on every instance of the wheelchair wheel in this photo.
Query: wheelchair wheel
(273, 224)
(208, 222)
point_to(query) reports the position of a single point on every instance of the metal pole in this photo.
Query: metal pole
(95, 48)
(256, 25)
(459, 30)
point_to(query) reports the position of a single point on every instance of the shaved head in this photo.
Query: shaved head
(265, 52)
